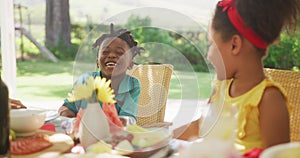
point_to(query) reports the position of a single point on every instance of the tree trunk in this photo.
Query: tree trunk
(58, 25)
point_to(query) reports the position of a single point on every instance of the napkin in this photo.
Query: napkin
(49, 127)
(253, 153)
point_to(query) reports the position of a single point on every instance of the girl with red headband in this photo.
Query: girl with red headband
(239, 35)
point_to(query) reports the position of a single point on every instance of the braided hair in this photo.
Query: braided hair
(123, 34)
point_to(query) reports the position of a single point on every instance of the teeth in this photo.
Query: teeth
(110, 64)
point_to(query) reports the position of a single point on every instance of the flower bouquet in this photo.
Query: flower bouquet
(94, 90)
(92, 123)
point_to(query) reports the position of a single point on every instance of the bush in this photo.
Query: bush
(165, 46)
(78, 34)
(286, 54)
(63, 52)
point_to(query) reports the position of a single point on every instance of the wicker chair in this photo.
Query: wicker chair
(290, 81)
(155, 81)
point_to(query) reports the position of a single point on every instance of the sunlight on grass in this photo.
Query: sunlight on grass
(38, 80)
(39, 87)
(44, 80)
(202, 86)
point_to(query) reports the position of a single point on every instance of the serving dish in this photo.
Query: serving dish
(61, 144)
(150, 150)
(25, 122)
(139, 144)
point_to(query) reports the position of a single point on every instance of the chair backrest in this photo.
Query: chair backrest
(155, 82)
(290, 81)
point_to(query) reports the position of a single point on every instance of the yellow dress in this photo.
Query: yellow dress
(248, 128)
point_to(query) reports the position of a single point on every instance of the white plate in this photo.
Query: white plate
(287, 150)
(50, 115)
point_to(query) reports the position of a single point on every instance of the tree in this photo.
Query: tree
(166, 46)
(58, 25)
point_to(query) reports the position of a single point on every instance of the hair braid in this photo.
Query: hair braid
(123, 34)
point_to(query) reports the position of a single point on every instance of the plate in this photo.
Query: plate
(50, 115)
(287, 150)
(61, 143)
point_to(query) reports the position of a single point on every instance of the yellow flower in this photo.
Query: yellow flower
(82, 91)
(85, 91)
(104, 93)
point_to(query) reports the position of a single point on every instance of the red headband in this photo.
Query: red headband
(238, 22)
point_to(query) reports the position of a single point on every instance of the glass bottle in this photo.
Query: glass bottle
(4, 120)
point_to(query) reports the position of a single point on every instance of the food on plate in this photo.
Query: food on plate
(112, 114)
(116, 138)
(144, 137)
(120, 136)
(106, 155)
(77, 149)
(135, 140)
(124, 147)
(147, 139)
(100, 147)
(12, 134)
(29, 145)
(91, 155)
(136, 129)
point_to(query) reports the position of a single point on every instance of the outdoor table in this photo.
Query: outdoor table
(174, 145)
(174, 111)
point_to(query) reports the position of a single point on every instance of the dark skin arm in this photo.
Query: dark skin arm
(16, 104)
(274, 118)
(65, 111)
(190, 130)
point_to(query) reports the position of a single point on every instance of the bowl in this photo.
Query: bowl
(148, 151)
(148, 143)
(286, 150)
(25, 122)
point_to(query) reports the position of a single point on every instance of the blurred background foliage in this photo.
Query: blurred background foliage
(192, 44)
(39, 78)
(286, 54)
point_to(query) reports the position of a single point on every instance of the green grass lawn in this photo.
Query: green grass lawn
(38, 80)
(190, 85)
(43, 80)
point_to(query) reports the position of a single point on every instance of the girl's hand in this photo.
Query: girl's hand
(16, 104)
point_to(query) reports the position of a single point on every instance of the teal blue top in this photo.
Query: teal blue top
(127, 97)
